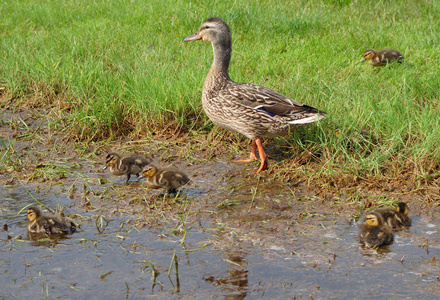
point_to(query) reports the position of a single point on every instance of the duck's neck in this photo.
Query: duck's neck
(220, 65)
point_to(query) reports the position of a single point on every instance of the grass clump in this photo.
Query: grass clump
(116, 68)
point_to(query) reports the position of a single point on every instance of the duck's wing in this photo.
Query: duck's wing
(267, 101)
(136, 160)
(56, 224)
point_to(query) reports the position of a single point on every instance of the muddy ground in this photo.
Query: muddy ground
(235, 210)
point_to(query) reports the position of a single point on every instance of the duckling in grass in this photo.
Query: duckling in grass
(374, 233)
(395, 217)
(48, 224)
(128, 165)
(382, 57)
(168, 178)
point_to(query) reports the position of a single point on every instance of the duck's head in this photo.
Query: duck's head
(368, 54)
(33, 213)
(213, 30)
(111, 160)
(148, 172)
(373, 219)
(402, 208)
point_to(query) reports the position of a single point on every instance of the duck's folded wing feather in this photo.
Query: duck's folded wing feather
(265, 100)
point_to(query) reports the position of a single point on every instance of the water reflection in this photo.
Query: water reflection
(298, 260)
(234, 284)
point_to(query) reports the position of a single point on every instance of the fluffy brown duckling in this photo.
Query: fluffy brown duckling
(48, 224)
(168, 178)
(381, 57)
(395, 217)
(128, 165)
(374, 233)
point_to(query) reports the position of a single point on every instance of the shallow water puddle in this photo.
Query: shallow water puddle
(237, 258)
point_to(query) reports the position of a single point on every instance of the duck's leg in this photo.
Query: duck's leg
(263, 156)
(252, 157)
(128, 178)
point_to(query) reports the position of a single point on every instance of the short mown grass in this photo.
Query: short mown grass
(113, 68)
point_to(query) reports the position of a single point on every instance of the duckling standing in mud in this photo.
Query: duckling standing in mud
(382, 57)
(374, 233)
(129, 165)
(168, 178)
(395, 217)
(48, 224)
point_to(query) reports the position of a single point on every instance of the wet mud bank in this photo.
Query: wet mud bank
(229, 234)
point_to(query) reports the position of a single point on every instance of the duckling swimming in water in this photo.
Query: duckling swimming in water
(381, 57)
(48, 224)
(129, 165)
(374, 233)
(168, 178)
(395, 217)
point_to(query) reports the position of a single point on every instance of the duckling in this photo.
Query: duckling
(48, 224)
(128, 165)
(167, 178)
(381, 57)
(374, 233)
(395, 217)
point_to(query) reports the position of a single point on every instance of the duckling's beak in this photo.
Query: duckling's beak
(140, 177)
(104, 168)
(362, 60)
(193, 37)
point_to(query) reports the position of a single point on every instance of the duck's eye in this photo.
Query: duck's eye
(205, 27)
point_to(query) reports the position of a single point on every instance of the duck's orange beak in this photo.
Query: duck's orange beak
(193, 37)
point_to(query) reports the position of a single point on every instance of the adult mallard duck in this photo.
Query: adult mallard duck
(374, 233)
(395, 217)
(48, 224)
(252, 110)
(381, 57)
(168, 178)
(128, 165)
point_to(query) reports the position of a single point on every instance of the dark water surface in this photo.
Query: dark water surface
(310, 262)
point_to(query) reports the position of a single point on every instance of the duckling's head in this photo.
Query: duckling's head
(402, 208)
(368, 54)
(33, 213)
(149, 171)
(213, 30)
(111, 160)
(373, 219)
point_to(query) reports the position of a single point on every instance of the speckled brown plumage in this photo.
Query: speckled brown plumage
(169, 179)
(374, 233)
(48, 224)
(129, 165)
(382, 57)
(252, 110)
(395, 217)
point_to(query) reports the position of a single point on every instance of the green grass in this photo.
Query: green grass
(117, 67)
